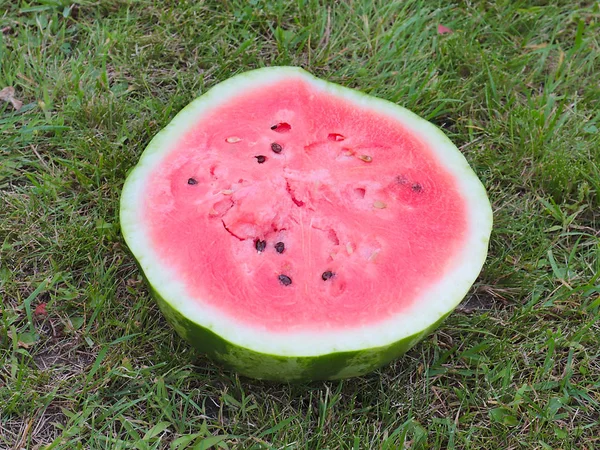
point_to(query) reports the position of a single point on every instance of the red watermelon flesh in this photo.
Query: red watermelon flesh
(351, 192)
(293, 229)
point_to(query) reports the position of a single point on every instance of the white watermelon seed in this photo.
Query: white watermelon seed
(373, 256)
(379, 204)
(365, 158)
(232, 139)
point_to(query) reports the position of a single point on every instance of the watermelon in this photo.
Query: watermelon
(294, 229)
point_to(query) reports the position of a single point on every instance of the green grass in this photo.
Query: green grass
(515, 86)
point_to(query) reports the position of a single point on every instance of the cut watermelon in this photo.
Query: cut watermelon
(294, 229)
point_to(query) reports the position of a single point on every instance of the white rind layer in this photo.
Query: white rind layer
(440, 298)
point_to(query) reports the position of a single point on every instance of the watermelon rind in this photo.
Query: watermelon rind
(255, 351)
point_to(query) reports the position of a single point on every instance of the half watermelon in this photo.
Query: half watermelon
(294, 229)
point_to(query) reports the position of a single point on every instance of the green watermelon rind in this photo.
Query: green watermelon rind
(339, 354)
(264, 366)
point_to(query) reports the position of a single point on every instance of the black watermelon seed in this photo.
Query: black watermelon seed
(260, 245)
(192, 181)
(285, 280)
(417, 187)
(261, 158)
(280, 247)
(327, 275)
(276, 147)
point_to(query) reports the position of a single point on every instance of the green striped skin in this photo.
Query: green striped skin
(281, 368)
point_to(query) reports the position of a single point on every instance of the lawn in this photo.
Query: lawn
(86, 359)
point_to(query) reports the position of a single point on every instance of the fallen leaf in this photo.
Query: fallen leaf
(8, 95)
(40, 310)
(444, 30)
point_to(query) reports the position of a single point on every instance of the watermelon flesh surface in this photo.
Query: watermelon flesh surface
(281, 219)
(386, 226)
